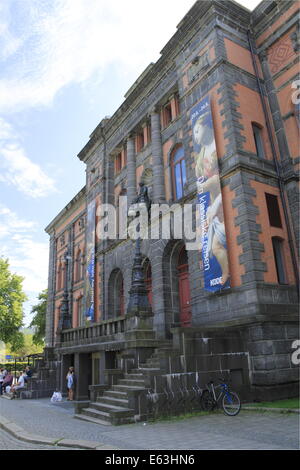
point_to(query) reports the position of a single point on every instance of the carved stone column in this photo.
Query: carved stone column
(131, 169)
(159, 193)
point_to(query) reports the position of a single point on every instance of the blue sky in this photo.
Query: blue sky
(64, 65)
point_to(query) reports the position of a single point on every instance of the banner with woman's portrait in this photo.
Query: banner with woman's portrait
(209, 198)
(89, 313)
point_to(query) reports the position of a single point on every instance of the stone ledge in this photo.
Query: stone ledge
(34, 439)
(81, 444)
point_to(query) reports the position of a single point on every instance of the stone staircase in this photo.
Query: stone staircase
(119, 405)
(113, 407)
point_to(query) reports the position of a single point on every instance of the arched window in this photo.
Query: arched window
(178, 172)
(116, 302)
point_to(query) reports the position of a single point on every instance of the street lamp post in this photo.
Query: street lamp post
(64, 318)
(138, 295)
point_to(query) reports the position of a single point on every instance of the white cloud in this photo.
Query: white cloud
(17, 169)
(12, 226)
(30, 260)
(66, 41)
(27, 256)
(46, 45)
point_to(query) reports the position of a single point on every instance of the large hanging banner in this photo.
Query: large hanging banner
(209, 198)
(89, 313)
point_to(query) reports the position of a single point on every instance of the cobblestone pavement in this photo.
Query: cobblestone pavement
(248, 430)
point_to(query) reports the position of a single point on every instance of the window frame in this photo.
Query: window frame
(118, 163)
(273, 209)
(257, 131)
(167, 114)
(277, 245)
(173, 172)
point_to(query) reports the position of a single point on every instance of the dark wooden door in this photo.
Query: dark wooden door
(185, 316)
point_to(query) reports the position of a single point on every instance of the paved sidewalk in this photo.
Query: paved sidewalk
(248, 430)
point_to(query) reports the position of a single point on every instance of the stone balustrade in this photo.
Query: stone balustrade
(92, 333)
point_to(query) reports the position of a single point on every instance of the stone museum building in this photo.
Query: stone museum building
(213, 125)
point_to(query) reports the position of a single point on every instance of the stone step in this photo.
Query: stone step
(150, 369)
(93, 413)
(126, 388)
(92, 420)
(108, 408)
(136, 371)
(132, 382)
(113, 415)
(113, 401)
(114, 394)
(152, 365)
(134, 376)
(8, 396)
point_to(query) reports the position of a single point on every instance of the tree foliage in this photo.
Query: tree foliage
(26, 347)
(39, 320)
(12, 298)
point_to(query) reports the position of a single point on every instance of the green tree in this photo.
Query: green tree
(39, 319)
(27, 347)
(12, 298)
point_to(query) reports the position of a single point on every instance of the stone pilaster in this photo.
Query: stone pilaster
(131, 170)
(159, 195)
(109, 184)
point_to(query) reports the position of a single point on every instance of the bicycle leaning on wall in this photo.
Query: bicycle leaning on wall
(213, 394)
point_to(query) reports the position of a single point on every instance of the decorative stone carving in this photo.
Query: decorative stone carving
(199, 63)
(62, 240)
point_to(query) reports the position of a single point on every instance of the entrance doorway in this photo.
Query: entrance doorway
(96, 368)
(185, 314)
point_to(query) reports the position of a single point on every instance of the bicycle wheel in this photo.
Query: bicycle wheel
(207, 401)
(231, 403)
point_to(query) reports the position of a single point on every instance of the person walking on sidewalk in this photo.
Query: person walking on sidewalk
(71, 383)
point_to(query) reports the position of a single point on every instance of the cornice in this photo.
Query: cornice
(66, 210)
(197, 17)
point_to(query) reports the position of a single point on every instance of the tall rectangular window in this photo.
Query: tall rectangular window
(140, 142)
(273, 210)
(278, 257)
(257, 134)
(167, 115)
(118, 163)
